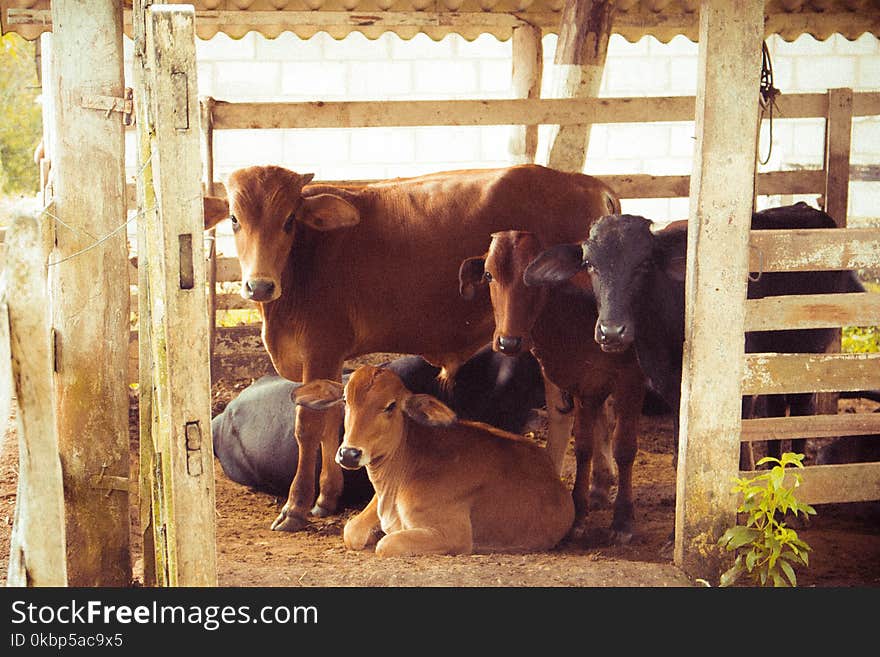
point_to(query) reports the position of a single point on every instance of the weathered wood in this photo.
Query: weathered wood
(528, 66)
(811, 426)
(781, 373)
(806, 311)
(47, 105)
(91, 327)
(145, 202)
(720, 214)
(181, 366)
(811, 250)
(536, 111)
(207, 123)
(835, 484)
(585, 28)
(391, 113)
(38, 548)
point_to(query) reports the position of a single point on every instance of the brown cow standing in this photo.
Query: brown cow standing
(343, 271)
(443, 486)
(548, 321)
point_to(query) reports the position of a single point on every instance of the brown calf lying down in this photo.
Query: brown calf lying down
(443, 485)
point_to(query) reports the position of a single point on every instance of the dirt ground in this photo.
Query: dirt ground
(845, 539)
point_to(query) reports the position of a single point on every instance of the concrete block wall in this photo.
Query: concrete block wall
(389, 68)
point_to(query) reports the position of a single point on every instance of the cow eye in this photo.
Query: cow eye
(235, 225)
(487, 277)
(288, 225)
(586, 264)
(390, 407)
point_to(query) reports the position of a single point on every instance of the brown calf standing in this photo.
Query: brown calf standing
(548, 321)
(443, 485)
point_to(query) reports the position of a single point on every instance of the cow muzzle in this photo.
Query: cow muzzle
(509, 345)
(260, 289)
(613, 337)
(349, 457)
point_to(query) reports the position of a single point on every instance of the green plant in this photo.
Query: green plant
(766, 548)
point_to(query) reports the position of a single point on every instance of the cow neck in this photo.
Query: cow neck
(393, 467)
(297, 279)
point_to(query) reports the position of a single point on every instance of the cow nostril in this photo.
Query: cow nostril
(260, 290)
(349, 457)
(508, 344)
(610, 332)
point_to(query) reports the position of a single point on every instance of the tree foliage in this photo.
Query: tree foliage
(20, 116)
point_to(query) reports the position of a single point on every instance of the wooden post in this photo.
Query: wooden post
(578, 65)
(717, 269)
(207, 106)
(90, 297)
(146, 197)
(183, 490)
(37, 546)
(48, 111)
(528, 64)
(838, 137)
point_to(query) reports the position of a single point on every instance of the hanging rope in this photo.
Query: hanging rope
(768, 94)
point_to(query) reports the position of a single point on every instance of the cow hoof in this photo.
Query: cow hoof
(320, 512)
(288, 523)
(621, 536)
(578, 531)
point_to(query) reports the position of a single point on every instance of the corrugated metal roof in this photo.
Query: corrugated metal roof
(663, 19)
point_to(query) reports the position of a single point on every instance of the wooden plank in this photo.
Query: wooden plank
(206, 106)
(179, 320)
(528, 67)
(720, 214)
(810, 250)
(806, 311)
(835, 484)
(371, 114)
(811, 426)
(38, 546)
(91, 329)
(578, 65)
(767, 374)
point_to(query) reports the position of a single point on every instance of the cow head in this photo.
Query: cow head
(515, 306)
(377, 405)
(620, 254)
(268, 211)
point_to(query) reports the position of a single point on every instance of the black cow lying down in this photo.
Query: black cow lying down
(254, 435)
(637, 276)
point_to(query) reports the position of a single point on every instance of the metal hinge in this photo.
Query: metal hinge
(110, 104)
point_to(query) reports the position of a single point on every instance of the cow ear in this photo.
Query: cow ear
(470, 274)
(555, 265)
(318, 395)
(327, 212)
(306, 178)
(429, 411)
(671, 250)
(216, 210)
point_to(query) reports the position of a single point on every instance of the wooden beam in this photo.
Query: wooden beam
(767, 374)
(91, 328)
(528, 66)
(824, 249)
(720, 214)
(391, 113)
(808, 311)
(811, 426)
(585, 28)
(184, 507)
(835, 484)
(37, 553)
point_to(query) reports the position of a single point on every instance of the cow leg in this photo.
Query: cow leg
(330, 481)
(365, 528)
(311, 427)
(587, 413)
(559, 423)
(455, 538)
(602, 464)
(628, 407)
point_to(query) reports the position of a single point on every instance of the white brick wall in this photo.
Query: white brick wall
(389, 68)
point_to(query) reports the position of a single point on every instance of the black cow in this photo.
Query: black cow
(254, 439)
(637, 275)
